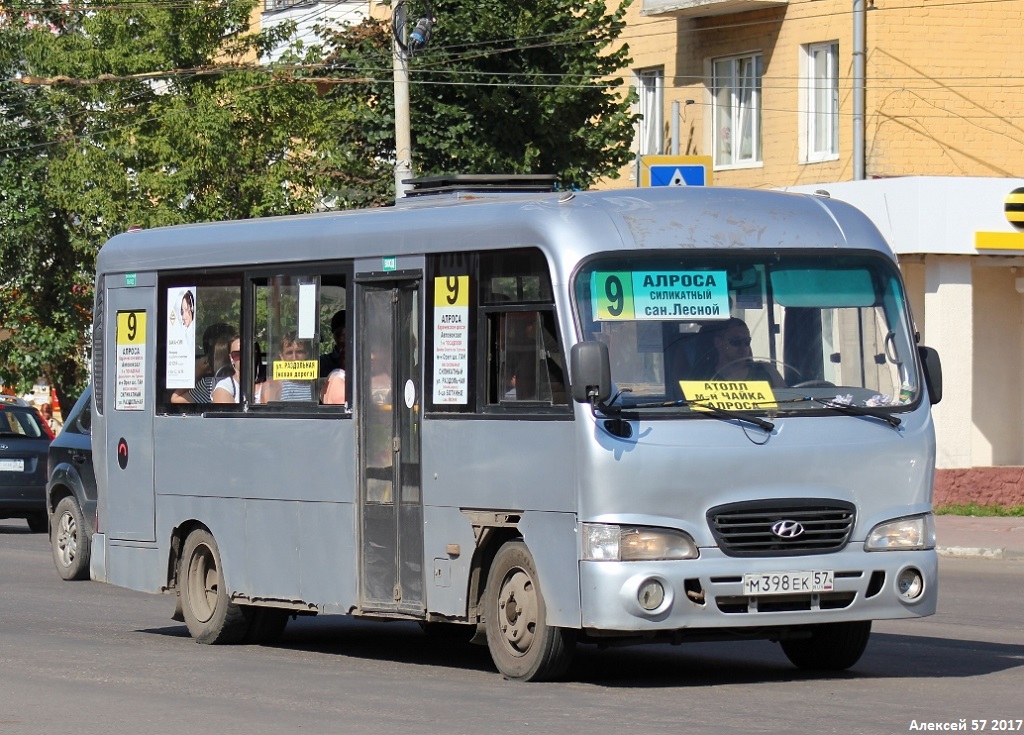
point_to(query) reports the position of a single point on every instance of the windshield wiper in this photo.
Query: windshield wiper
(893, 421)
(722, 413)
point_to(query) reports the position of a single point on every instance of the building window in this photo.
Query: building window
(821, 104)
(272, 5)
(736, 87)
(650, 85)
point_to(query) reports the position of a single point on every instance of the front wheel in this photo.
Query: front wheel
(69, 540)
(522, 645)
(210, 616)
(830, 647)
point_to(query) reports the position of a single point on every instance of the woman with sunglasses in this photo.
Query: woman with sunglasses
(228, 390)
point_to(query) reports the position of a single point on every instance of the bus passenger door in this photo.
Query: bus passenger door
(130, 377)
(388, 413)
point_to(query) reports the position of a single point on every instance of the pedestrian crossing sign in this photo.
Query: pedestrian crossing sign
(675, 171)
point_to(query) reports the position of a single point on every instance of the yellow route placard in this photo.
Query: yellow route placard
(731, 395)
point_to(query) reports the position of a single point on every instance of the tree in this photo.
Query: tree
(503, 87)
(139, 114)
(45, 292)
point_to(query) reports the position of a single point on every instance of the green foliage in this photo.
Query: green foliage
(45, 292)
(503, 87)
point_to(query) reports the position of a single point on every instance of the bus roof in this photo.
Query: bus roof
(567, 226)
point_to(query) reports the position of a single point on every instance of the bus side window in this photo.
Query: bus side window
(526, 361)
(286, 320)
(200, 316)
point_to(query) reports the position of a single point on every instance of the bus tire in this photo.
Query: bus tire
(69, 540)
(210, 616)
(522, 645)
(831, 647)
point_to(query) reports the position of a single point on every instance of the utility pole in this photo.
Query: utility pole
(403, 133)
(859, 46)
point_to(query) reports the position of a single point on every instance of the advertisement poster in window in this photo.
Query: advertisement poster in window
(181, 337)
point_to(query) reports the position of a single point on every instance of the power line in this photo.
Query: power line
(369, 75)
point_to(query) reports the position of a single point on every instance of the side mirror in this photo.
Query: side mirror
(591, 373)
(932, 372)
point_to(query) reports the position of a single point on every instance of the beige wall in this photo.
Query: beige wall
(997, 368)
(942, 92)
(976, 322)
(943, 88)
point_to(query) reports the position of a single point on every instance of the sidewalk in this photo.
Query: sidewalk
(980, 538)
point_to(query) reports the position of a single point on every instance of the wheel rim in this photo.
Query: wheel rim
(517, 612)
(67, 539)
(203, 583)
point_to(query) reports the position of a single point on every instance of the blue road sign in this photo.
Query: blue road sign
(677, 175)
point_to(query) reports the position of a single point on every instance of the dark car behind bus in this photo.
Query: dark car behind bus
(24, 441)
(71, 492)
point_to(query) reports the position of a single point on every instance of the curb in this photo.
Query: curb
(972, 552)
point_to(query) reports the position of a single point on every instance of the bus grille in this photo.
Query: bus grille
(782, 527)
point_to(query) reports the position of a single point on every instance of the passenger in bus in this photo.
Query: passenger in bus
(213, 365)
(332, 365)
(334, 388)
(730, 356)
(335, 359)
(292, 349)
(229, 389)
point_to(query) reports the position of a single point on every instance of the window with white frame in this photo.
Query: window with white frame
(650, 87)
(736, 112)
(272, 5)
(821, 104)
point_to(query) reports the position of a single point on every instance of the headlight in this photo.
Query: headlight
(903, 534)
(603, 542)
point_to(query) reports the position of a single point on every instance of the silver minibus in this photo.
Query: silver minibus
(551, 418)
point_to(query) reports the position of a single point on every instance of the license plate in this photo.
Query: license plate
(12, 465)
(787, 583)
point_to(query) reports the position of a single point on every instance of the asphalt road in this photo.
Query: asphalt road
(86, 658)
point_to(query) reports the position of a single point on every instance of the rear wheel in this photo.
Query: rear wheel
(69, 540)
(830, 647)
(210, 616)
(522, 644)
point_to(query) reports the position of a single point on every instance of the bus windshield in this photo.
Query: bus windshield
(761, 330)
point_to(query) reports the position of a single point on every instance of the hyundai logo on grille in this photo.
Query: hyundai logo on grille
(787, 529)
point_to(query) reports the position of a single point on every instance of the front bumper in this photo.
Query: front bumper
(707, 593)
